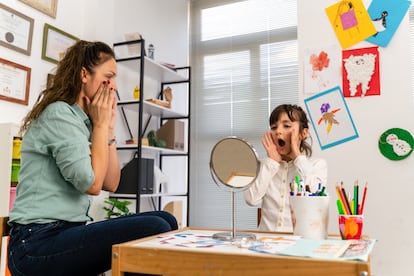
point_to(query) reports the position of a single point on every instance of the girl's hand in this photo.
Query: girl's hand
(295, 140)
(270, 147)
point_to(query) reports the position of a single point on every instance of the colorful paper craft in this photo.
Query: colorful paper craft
(360, 72)
(350, 21)
(322, 68)
(330, 118)
(396, 144)
(386, 16)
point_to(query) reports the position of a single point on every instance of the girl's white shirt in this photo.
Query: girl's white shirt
(271, 189)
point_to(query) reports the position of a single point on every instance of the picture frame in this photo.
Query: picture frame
(14, 82)
(48, 7)
(17, 30)
(55, 43)
(330, 118)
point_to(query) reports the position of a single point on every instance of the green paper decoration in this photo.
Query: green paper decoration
(396, 144)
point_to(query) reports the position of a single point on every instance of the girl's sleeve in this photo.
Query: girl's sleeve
(313, 172)
(254, 194)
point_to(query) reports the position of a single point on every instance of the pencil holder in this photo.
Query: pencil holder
(310, 215)
(350, 226)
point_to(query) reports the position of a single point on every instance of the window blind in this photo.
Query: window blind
(244, 62)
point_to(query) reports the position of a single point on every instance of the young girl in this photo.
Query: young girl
(288, 156)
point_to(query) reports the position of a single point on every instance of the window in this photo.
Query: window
(244, 63)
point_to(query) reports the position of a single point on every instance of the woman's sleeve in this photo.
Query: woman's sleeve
(313, 172)
(254, 194)
(69, 146)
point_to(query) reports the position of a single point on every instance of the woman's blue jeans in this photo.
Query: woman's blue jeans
(75, 249)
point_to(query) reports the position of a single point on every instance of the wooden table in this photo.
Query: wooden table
(150, 256)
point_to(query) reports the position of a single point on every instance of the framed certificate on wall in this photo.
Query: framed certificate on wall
(55, 43)
(14, 82)
(16, 30)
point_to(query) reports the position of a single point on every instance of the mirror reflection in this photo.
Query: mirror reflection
(234, 163)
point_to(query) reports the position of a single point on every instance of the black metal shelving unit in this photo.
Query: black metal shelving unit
(141, 106)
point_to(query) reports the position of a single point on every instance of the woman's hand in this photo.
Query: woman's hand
(270, 147)
(101, 109)
(113, 115)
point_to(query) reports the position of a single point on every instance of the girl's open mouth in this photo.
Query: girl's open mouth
(281, 142)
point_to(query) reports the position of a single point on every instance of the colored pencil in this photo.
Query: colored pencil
(356, 188)
(346, 202)
(363, 199)
(344, 199)
(340, 200)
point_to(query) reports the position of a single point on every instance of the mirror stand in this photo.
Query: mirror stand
(233, 235)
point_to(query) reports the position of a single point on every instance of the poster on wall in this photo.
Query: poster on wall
(330, 118)
(361, 72)
(386, 16)
(322, 69)
(350, 21)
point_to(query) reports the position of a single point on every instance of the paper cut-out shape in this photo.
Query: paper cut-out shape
(386, 16)
(396, 143)
(350, 21)
(361, 72)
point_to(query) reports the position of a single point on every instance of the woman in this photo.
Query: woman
(68, 154)
(288, 156)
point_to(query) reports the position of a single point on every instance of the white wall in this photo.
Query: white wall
(387, 211)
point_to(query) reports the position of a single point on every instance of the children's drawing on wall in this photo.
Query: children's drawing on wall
(386, 16)
(330, 118)
(322, 69)
(396, 144)
(350, 21)
(360, 73)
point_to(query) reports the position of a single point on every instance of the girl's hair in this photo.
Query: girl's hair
(295, 113)
(66, 84)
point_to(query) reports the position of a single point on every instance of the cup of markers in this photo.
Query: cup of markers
(350, 212)
(310, 211)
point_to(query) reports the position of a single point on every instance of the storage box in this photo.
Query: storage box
(129, 177)
(172, 132)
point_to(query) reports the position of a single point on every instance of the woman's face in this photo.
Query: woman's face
(92, 80)
(282, 131)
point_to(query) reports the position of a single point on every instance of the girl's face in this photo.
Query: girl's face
(282, 131)
(92, 80)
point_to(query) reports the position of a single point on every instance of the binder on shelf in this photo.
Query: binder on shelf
(129, 177)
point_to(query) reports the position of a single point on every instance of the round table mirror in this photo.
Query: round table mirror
(234, 165)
